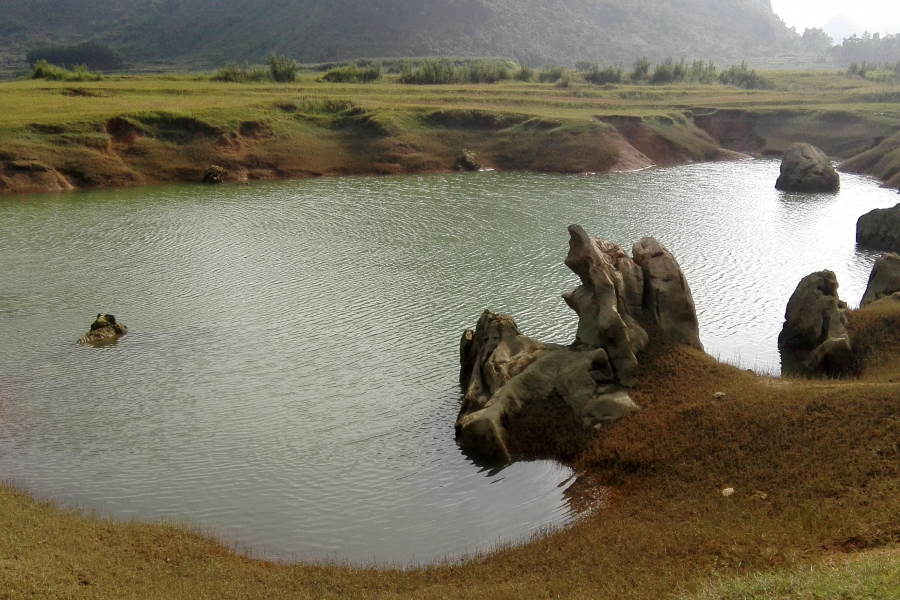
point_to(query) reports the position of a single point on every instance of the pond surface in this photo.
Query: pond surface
(290, 379)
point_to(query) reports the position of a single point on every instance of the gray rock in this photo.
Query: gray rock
(814, 325)
(610, 284)
(880, 229)
(667, 296)
(502, 371)
(805, 168)
(884, 279)
(466, 162)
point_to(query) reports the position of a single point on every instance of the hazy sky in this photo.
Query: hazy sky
(876, 15)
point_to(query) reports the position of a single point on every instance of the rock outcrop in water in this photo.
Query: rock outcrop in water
(805, 168)
(884, 279)
(104, 328)
(814, 337)
(880, 229)
(620, 299)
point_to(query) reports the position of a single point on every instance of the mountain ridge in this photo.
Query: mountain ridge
(210, 33)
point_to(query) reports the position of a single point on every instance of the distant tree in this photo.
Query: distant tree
(641, 69)
(93, 55)
(816, 40)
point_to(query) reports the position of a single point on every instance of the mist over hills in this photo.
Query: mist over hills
(210, 33)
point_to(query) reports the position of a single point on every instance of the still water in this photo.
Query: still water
(290, 379)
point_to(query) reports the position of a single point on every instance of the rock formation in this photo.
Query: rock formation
(104, 328)
(466, 162)
(805, 168)
(880, 229)
(619, 300)
(814, 337)
(884, 279)
(215, 174)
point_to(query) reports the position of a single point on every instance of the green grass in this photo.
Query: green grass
(873, 576)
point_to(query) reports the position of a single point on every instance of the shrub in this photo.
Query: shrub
(525, 73)
(44, 70)
(430, 71)
(641, 69)
(282, 69)
(242, 73)
(444, 70)
(93, 55)
(352, 73)
(703, 72)
(551, 74)
(743, 77)
(668, 71)
(598, 75)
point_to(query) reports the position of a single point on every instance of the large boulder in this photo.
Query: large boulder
(503, 372)
(814, 337)
(607, 301)
(805, 168)
(510, 371)
(667, 298)
(880, 229)
(104, 328)
(884, 279)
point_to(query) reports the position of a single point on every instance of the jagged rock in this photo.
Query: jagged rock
(805, 168)
(667, 296)
(880, 229)
(502, 371)
(509, 370)
(104, 328)
(815, 334)
(215, 174)
(466, 162)
(884, 279)
(609, 297)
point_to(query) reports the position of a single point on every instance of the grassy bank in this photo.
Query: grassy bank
(144, 130)
(815, 467)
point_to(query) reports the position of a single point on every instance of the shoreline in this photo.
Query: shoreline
(62, 136)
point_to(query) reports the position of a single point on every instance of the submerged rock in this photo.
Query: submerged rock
(215, 174)
(805, 168)
(104, 328)
(814, 337)
(880, 229)
(504, 372)
(884, 279)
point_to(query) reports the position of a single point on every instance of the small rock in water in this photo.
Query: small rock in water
(728, 492)
(104, 327)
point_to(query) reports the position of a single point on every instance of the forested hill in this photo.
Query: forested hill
(209, 33)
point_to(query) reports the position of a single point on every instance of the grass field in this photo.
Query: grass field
(815, 464)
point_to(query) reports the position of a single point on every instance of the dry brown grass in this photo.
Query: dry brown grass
(815, 465)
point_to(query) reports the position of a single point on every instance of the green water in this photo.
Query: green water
(290, 375)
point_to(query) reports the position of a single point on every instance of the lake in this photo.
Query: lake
(289, 382)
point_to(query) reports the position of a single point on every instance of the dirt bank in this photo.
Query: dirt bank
(158, 147)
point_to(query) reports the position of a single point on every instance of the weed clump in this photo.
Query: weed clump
(744, 77)
(44, 70)
(241, 73)
(282, 69)
(445, 70)
(353, 73)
